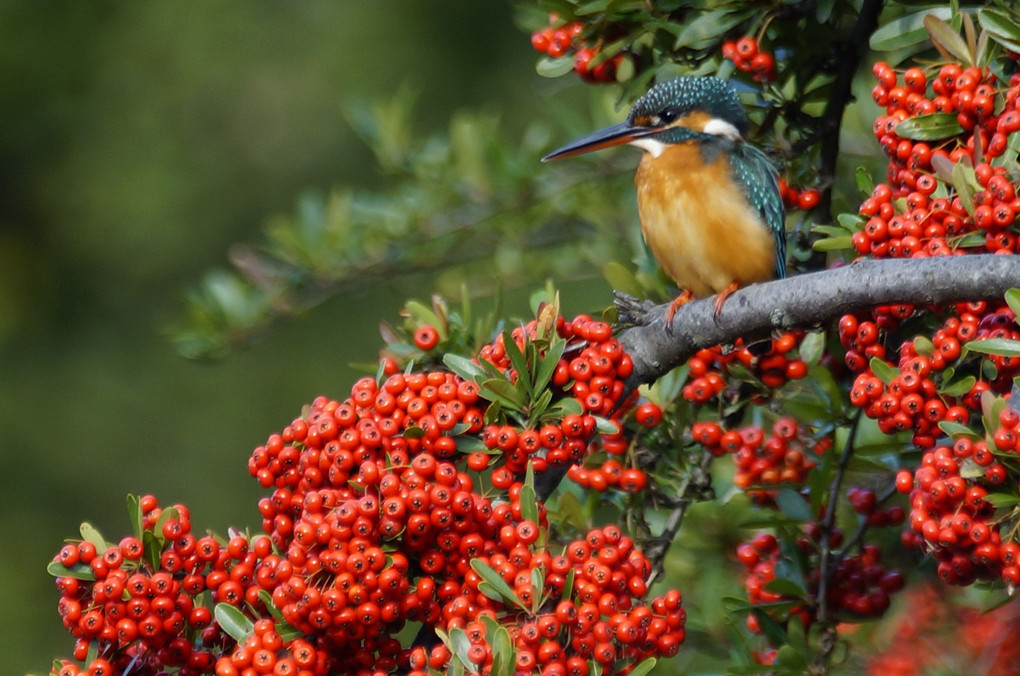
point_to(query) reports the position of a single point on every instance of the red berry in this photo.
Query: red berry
(426, 337)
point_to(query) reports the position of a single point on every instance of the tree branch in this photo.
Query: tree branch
(849, 56)
(803, 301)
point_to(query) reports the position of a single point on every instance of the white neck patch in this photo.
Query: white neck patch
(718, 127)
(649, 145)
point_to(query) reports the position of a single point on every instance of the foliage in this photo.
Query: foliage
(469, 200)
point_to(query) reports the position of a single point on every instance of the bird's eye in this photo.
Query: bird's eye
(668, 117)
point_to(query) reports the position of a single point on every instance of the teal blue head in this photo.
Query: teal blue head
(684, 109)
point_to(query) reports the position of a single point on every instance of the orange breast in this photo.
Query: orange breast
(698, 224)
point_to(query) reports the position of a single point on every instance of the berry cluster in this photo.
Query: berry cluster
(748, 56)
(140, 603)
(932, 223)
(374, 521)
(804, 199)
(267, 651)
(710, 367)
(970, 94)
(599, 622)
(763, 463)
(609, 472)
(916, 395)
(865, 502)
(950, 513)
(859, 584)
(558, 39)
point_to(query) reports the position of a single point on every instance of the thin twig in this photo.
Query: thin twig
(693, 485)
(828, 521)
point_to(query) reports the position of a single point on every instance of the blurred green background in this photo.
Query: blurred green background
(138, 140)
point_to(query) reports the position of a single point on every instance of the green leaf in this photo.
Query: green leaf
(643, 667)
(1004, 347)
(793, 505)
(832, 243)
(502, 391)
(882, 370)
(493, 592)
(865, 184)
(1000, 500)
(970, 240)
(1001, 28)
(991, 407)
(267, 598)
(134, 506)
(90, 533)
(707, 26)
(931, 127)
(78, 571)
(906, 31)
(945, 36)
(924, 346)
(943, 167)
(773, 631)
(605, 425)
(549, 67)
(852, 222)
(233, 621)
(785, 587)
(964, 187)
(519, 363)
(568, 586)
(959, 387)
(565, 407)
(830, 230)
(955, 430)
(153, 547)
(502, 648)
(459, 645)
(791, 660)
(797, 634)
(471, 444)
(860, 462)
(538, 583)
(497, 589)
(1013, 300)
(465, 368)
(528, 499)
(812, 347)
(538, 406)
(547, 367)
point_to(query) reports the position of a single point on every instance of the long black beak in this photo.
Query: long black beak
(624, 132)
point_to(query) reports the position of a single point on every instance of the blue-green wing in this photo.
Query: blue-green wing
(753, 170)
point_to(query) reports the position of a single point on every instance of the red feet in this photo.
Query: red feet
(721, 297)
(685, 297)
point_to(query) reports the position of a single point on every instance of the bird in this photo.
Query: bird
(709, 202)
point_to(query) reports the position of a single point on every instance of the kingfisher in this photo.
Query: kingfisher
(709, 202)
